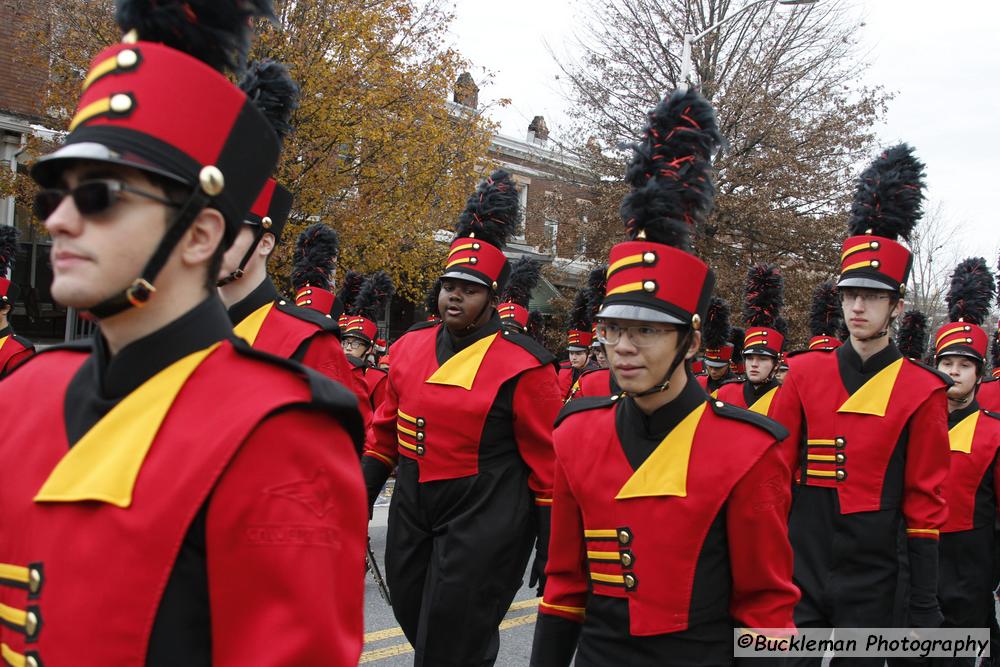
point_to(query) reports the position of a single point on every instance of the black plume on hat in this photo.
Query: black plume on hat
(671, 171)
(349, 289)
(579, 316)
(912, 337)
(315, 257)
(271, 89)
(736, 337)
(431, 299)
(536, 326)
(217, 32)
(717, 330)
(492, 211)
(971, 292)
(8, 248)
(372, 297)
(764, 296)
(597, 284)
(825, 313)
(890, 195)
(524, 277)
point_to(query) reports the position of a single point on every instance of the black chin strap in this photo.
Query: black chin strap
(489, 301)
(678, 360)
(884, 329)
(258, 234)
(138, 293)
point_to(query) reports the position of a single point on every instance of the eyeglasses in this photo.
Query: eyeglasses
(850, 296)
(641, 335)
(350, 342)
(91, 198)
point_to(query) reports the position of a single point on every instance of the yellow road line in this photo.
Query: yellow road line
(379, 635)
(401, 649)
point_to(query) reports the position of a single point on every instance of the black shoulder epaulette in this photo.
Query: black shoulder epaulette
(736, 380)
(377, 370)
(946, 378)
(795, 353)
(423, 325)
(324, 322)
(990, 413)
(24, 342)
(585, 403)
(85, 345)
(761, 421)
(327, 394)
(532, 346)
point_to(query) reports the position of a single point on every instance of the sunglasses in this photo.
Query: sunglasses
(92, 198)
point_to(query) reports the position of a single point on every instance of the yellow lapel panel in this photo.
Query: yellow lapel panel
(960, 435)
(763, 404)
(873, 396)
(461, 369)
(2, 341)
(715, 394)
(251, 324)
(105, 463)
(664, 473)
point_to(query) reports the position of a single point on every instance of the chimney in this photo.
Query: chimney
(538, 131)
(466, 91)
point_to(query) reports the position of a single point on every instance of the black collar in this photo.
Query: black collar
(261, 295)
(752, 392)
(854, 372)
(198, 328)
(448, 344)
(640, 433)
(6, 331)
(958, 415)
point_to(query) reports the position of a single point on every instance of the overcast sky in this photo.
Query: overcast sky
(941, 58)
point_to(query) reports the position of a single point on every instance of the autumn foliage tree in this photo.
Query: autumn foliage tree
(378, 151)
(797, 120)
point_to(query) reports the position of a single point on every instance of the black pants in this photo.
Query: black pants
(845, 566)
(456, 552)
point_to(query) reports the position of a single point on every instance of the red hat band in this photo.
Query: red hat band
(720, 354)
(658, 277)
(360, 327)
(317, 299)
(823, 343)
(875, 262)
(271, 208)
(579, 341)
(478, 261)
(961, 338)
(154, 108)
(513, 312)
(763, 340)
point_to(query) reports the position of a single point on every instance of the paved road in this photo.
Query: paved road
(385, 644)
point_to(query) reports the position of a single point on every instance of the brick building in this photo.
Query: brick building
(23, 80)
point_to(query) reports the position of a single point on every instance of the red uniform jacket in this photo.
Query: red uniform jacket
(374, 380)
(974, 442)
(14, 351)
(90, 533)
(884, 446)
(988, 395)
(596, 382)
(303, 334)
(435, 414)
(567, 378)
(735, 393)
(638, 534)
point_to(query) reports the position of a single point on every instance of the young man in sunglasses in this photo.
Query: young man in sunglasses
(664, 534)
(157, 517)
(869, 437)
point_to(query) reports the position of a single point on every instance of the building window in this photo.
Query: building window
(551, 241)
(522, 224)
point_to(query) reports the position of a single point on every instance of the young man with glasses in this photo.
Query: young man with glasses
(869, 440)
(157, 516)
(664, 534)
(360, 332)
(718, 349)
